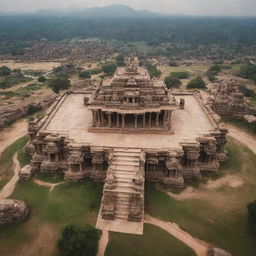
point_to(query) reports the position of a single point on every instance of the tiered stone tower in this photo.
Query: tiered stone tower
(131, 102)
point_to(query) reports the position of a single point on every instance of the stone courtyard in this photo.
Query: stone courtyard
(131, 129)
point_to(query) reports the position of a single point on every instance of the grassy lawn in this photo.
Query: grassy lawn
(218, 215)
(6, 159)
(67, 204)
(154, 242)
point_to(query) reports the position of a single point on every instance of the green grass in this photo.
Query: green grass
(154, 242)
(69, 203)
(6, 159)
(219, 217)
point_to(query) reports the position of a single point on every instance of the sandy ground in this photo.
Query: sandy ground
(10, 186)
(47, 184)
(12, 133)
(200, 247)
(43, 243)
(44, 66)
(243, 137)
(103, 243)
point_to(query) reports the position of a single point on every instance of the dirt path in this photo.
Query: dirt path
(10, 134)
(47, 184)
(242, 136)
(103, 243)
(200, 247)
(10, 186)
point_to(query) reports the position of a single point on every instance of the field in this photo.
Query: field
(44, 66)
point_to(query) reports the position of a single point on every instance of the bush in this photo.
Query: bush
(212, 72)
(4, 71)
(41, 79)
(85, 74)
(109, 68)
(78, 241)
(248, 72)
(171, 82)
(180, 74)
(246, 91)
(196, 82)
(59, 83)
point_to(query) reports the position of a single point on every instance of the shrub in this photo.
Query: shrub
(196, 82)
(59, 83)
(41, 79)
(248, 72)
(82, 241)
(171, 82)
(212, 72)
(109, 68)
(4, 71)
(85, 74)
(180, 74)
(246, 91)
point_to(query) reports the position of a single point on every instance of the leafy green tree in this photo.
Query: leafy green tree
(248, 72)
(4, 71)
(85, 74)
(212, 72)
(41, 79)
(180, 74)
(196, 82)
(172, 81)
(120, 60)
(109, 68)
(78, 241)
(59, 83)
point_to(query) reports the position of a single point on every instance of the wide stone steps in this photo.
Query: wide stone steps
(125, 163)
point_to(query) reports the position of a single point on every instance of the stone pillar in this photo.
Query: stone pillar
(123, 120)
(136, 121)
(164, 119)
(102, 118)
(94, 118)
(149, 120)
(98, 117)
(144, 120)
(157, 119)
(109, 120)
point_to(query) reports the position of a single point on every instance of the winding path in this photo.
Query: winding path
(199, 247)
(10, 186)
(243, 136)
(103, 243)
(10, 134)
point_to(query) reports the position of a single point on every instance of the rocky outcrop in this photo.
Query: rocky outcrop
(13, 211)
(11, 112)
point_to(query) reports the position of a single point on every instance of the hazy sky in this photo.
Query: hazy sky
(193, 7)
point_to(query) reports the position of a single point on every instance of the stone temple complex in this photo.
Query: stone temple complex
(131, 129)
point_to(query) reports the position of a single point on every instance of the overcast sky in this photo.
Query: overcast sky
(192, 7)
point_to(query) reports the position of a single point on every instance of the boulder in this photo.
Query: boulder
(13, 211)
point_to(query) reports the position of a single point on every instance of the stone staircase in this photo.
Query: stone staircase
(123, 194)
(125, 165)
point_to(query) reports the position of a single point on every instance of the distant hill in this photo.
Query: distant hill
(110, 11)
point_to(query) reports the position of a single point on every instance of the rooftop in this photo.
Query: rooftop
(73, 119)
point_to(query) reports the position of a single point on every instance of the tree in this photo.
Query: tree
(41, 79)
(78, 241)
(109, 68)
(172, 81)
(85, 74)
(196, 82)
(120, 60)
(59, 83)
(251, 208)
(212, 72)
(4, 71)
